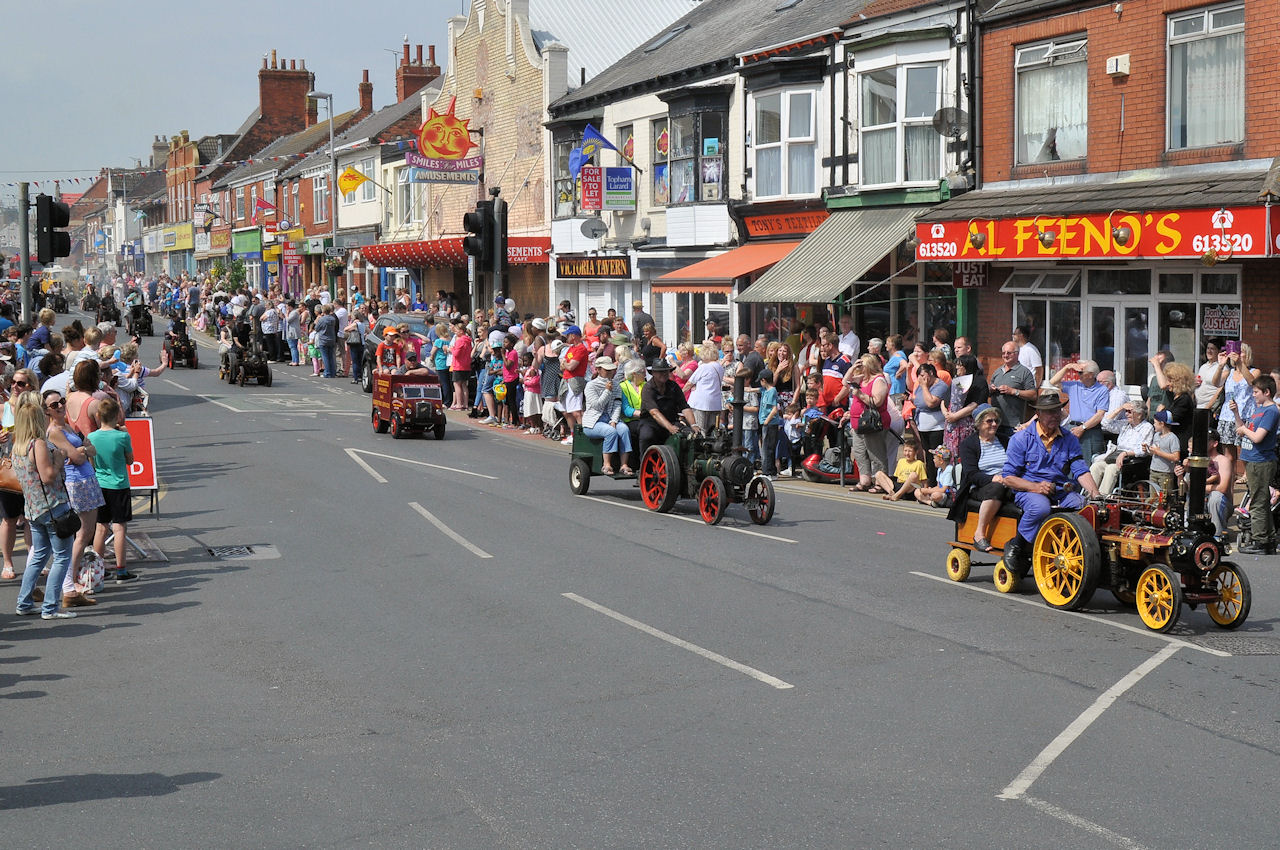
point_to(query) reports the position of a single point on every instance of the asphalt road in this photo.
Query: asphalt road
(434, 644)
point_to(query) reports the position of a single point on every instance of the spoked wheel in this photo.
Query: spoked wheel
(1066, 559)
(1159, 597)
(958, 564)
(1231, 608)
(379, 425)
(659, 479)
(579, 476)
(712, 500)
(760, 500)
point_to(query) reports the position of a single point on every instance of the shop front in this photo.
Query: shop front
(599, 282)
(212, 248)
(425, 266)
(178, 243)
(246, 246)
(1114, 279)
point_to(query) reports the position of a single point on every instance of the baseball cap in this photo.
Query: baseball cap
(540, 324)
(573, 329)
(556, 347)
(942, 452)
(1164, 416)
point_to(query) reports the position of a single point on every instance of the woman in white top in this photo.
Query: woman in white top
(602, 415)
(705, 388)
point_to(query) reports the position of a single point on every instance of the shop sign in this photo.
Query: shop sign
(180, 238)
(444, 140)
(1220, 320)
(314, 245)
(202, 242)
(247, 241)
(785, 224)
(594, 267)
(429, 175)
(1209, 235)
(620, 188)
(529, 249)
(969, 275)
(220, 240)
(592, 188)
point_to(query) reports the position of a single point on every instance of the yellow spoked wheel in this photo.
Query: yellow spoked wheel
(957, 564)
(1159, 597)
(1005, 579)
(1065, 560)
(1231, 608)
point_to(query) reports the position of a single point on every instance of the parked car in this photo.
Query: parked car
(419, 323)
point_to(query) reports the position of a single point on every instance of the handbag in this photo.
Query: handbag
(66, 524)
(8, 478)
(869, 422)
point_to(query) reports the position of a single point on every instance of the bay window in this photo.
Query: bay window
(784, 140)
(898, 143)
(1206, 77)
(1052, 101)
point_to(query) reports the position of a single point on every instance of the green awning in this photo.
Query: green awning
(833, 257)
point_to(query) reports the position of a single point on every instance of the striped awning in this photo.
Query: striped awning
(832, 258)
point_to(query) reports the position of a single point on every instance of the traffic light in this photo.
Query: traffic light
(499, 238)
(51, 241)
(479, 243)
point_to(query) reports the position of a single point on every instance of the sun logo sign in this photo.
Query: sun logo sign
(444, 138)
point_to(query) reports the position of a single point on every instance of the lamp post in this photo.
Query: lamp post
(333, 182)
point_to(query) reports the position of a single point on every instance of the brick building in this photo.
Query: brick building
(1125, 205)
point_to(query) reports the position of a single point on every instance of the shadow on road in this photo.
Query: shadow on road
(54, 790)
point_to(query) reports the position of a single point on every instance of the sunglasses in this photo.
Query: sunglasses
(54, 405)
(21, 384)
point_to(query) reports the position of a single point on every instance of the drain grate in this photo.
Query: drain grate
(231, 553)
(1240, 645)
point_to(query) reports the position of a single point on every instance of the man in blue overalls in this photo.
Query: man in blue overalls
(1045, 469)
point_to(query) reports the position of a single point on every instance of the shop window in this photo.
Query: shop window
(1176, 331)
(688, 158)
(898, 143)
(784, 141)
(564, 183)
(1206, 77)
(661, 169)
(1054, 326)
(1220, 284)
(1052, 101)
(1120, 282)
(693, 309)
(1047, 282)
(1177, 284)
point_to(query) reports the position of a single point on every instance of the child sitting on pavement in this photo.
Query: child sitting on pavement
(907, 475)
(944, 494)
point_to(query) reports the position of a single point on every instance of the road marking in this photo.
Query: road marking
(351, 453)
(449, 532)
(178, 385)
(689, 519)
(1083, 823)
(1106, 621)
(1040, 764)
(424, 463)
(227, 406)
(683, 644)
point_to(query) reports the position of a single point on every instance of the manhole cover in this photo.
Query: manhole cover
(244, 553)
(1241, 645)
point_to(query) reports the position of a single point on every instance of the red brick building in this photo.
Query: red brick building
(1123, 206)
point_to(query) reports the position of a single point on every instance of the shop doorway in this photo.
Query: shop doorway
(1120, 338)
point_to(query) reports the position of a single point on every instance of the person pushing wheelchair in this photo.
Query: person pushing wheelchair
(1044, 468)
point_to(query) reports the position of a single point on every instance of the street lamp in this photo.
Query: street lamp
(333, 176)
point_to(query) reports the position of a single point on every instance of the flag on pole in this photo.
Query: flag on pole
(350, 180)
(261, 204)
(592, 141)
(577, 159)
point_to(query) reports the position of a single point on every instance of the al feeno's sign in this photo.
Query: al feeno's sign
(1228, 232)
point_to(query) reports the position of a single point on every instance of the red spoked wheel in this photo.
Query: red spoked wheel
(760, 500)
(659, 479)
(712, 500)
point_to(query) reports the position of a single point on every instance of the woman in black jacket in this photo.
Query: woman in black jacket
(982, 456)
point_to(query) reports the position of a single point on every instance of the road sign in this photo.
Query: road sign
(335, 252)
(142, 474)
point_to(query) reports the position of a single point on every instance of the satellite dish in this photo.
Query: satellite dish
(594, 228)
(951, 121)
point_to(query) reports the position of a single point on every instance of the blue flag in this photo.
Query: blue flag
(592, 141)
(577, 159)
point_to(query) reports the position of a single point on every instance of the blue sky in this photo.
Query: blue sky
(90, 84)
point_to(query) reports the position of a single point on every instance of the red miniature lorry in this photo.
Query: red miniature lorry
(407, 405)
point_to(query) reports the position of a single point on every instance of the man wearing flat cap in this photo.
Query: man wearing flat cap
(1044, 468)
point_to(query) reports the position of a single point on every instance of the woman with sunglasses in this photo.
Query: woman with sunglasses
(38, 464)
(81, 485)
(11, 504)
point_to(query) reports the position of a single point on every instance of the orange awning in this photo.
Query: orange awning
(717, 274)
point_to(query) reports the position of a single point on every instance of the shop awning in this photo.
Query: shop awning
(448, 253)
(428, 253)
(717, 274)
(1205, 216)
(831, 258)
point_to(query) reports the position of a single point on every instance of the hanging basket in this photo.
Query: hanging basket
(335, 265)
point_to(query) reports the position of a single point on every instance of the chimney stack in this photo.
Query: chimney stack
(412, 76)
(282, 94)
(365, 91)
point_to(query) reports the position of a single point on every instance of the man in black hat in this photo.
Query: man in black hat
(1044, 468)
(662, 406)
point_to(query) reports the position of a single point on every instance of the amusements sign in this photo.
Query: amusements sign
(444, 141)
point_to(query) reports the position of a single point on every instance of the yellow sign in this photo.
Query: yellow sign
(444, 135)
(180, 238)
(350, 180)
